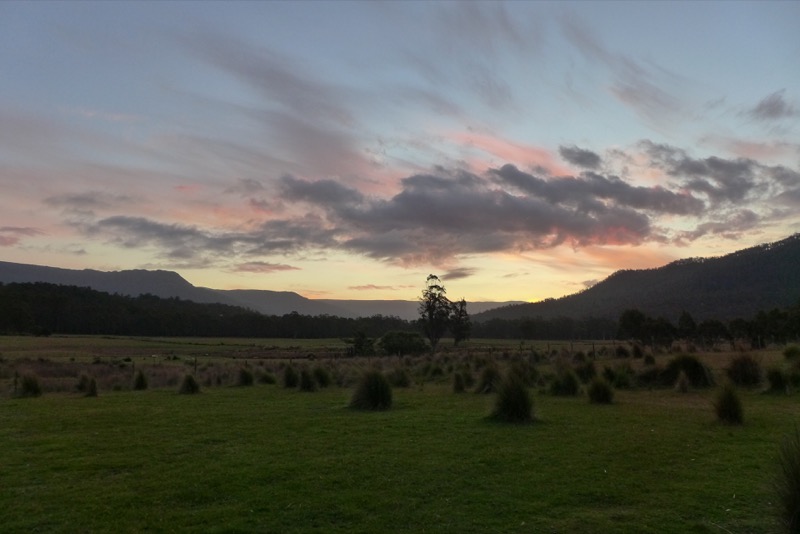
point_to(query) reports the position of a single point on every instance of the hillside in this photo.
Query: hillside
(736, 285)
(167, 284)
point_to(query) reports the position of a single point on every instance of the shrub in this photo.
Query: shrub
(245, 377)
(290, 377)
(322, 376)
(266, 378)
(565, 383)
(91, 388)
(83, 384)
(744, 370)
(399, 378)
(619, 377)
(513, 403)
(728, 406)
(600, 392)
(29, 386)
(792, 352)
(140, 381)
(525, 371)
(487, 383)
(649, 360)
(699, 375)
(586, 371)
(189, 386)
(787, 482)
(778, 381)
(622, 352)
(307, 381)
(458, 383)
(638, 351)
(372, 393)
(682, 383)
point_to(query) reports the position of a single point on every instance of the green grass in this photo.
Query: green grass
(266, 459)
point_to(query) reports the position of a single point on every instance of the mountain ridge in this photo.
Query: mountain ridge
(735, 285)
(169, 284)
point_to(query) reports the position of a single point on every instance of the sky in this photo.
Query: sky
(346, 150)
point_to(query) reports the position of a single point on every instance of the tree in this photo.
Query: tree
(460, 325)
(434, 310)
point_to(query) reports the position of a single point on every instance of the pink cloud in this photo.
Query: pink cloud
(8, 241)
(506, 151)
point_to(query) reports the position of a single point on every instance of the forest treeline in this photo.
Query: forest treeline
(42, 309)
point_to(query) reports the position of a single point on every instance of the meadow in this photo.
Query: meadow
(267, 458)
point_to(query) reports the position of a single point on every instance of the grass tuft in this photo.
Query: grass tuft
(372, 393)
(728, 405)
(744, 370)
(140, 381)
(290, 377)
(787, 483)
(513, 403)
(245, 377)
(307, 381)
(189, 386)
(600, 391)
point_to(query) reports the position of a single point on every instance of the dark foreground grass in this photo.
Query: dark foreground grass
(267, 459)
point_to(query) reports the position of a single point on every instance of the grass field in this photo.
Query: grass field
(269, 459)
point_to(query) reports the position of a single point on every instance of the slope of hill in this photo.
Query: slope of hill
(736, 285)
(167, 284)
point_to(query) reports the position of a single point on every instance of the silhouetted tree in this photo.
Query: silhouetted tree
(434, 310)
(460, 324)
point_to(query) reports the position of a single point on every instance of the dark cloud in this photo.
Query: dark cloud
(88, 201)
(262, 267)
(456, 274)
(722, 180)
(773, 107)
(730, 228)
(590, 188)
(580, 157)
(324, 192)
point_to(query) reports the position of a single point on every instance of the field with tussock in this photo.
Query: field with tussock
(266, 458)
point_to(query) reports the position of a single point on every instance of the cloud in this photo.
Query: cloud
(262, 267)
(12, 235)
(456, 274)
(773, 107)
(588, 189)
(88, 201)
(730, 228)
(580, 157)
(372, 287)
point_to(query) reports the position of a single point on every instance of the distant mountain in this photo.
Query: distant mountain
(167, 284)
(727, 287)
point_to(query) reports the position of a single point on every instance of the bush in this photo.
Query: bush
(245, 377)
(399, 378)
(29, 386)
(139, 381)
(787, 482)
(565, 383)
(744, 370)
(586, 371)
(600, 392)
(458, 383)
(513, 403)
(778, 381)
(488, 381)
(83, 384)
(728, 406)
(91, 388)
(266, 378)
(290, 377)
(307, 381)
(619, 377)
(622, 352)
(682, 383)
(322, 376)
(372, 393)
(189, 386)
(792, 352)
(699, 375)
(525, 371)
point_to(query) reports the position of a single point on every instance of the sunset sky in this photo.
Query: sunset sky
(348, 149)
